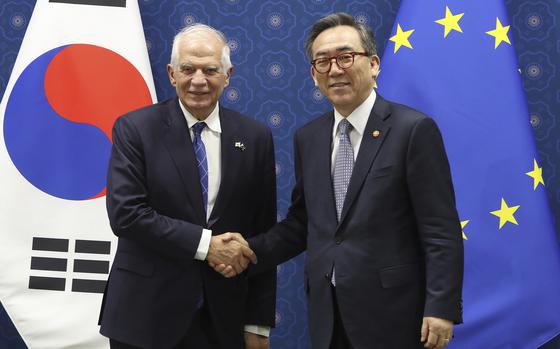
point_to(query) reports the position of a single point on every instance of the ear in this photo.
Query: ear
(374, 63)
(228, 76)
(313, 72)
(171, 74)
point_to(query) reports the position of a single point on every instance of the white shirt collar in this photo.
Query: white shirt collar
(359, 116)
(212, 121)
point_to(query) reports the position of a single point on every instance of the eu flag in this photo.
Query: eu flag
(454, 61)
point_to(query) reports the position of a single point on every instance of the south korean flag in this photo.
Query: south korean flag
(82, 63)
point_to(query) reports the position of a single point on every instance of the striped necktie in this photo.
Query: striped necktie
(201, 161)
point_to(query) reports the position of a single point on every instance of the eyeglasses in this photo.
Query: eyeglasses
(344, 61)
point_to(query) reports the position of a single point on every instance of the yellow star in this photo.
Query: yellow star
(375, 79)
(450, 22)
(506, 214)
(463, 224)
(401, 38)
(499, 34)
(536, 174)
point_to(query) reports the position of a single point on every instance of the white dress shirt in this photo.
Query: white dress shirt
(211, 137)
(358, 119)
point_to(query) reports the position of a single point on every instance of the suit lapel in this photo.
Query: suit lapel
(368, 151)
(229, 165)
(179, 144)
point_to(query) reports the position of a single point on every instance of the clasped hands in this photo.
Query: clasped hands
(229, 254)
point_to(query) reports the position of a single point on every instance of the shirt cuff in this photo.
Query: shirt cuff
(260, 330)
(203, 245)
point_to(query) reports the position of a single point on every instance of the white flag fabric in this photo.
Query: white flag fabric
(82, 63)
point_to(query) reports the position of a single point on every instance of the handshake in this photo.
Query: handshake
(229, 254)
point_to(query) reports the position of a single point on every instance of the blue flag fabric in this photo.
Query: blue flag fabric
(454, 61)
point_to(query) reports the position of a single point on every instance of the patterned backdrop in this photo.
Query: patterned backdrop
(271, 83)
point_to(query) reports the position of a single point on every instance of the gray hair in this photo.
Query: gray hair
(335, 20)
(195, 28)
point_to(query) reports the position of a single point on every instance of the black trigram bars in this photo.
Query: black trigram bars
(60, 264)
(46, 244)
(113, 3)
(48, 263)
(92, 246)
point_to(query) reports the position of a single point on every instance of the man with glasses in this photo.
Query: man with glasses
(374, 207)
(181, 172)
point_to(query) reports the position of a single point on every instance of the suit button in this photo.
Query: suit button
(327, 276)
(338, 242)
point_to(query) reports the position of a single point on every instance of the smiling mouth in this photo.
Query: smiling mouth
(339, 84)
(197, 93)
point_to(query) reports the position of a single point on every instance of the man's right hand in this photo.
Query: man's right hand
(232, 250)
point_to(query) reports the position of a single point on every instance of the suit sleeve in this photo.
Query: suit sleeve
(288, 238)
(433, 201)
(261, 300)
(130, 214)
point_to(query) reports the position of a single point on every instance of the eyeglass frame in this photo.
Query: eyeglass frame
(352, 53)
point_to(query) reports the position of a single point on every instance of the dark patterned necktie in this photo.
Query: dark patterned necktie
(201, 161)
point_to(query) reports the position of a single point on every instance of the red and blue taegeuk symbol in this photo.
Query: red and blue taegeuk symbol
(58, 119)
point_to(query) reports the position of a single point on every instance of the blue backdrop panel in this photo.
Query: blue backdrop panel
(271, 83)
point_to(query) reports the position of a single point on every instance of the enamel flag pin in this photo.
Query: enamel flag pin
(240, 145)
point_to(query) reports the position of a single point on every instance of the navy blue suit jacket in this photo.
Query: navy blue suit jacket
(398, 250)
(154, 202)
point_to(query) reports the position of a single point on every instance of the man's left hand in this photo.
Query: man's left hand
(255, 341)
(436, 332)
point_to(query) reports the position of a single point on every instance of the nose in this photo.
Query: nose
(198, 78)
(335, 69)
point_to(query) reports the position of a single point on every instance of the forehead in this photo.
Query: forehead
(340, 38)
(200, 47)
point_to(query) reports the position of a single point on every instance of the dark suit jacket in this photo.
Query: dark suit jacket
(398, 249)
(154, 202)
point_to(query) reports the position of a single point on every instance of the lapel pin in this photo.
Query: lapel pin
(240, 145)
(375, 133)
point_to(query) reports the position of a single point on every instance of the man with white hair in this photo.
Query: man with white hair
(181, 172)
